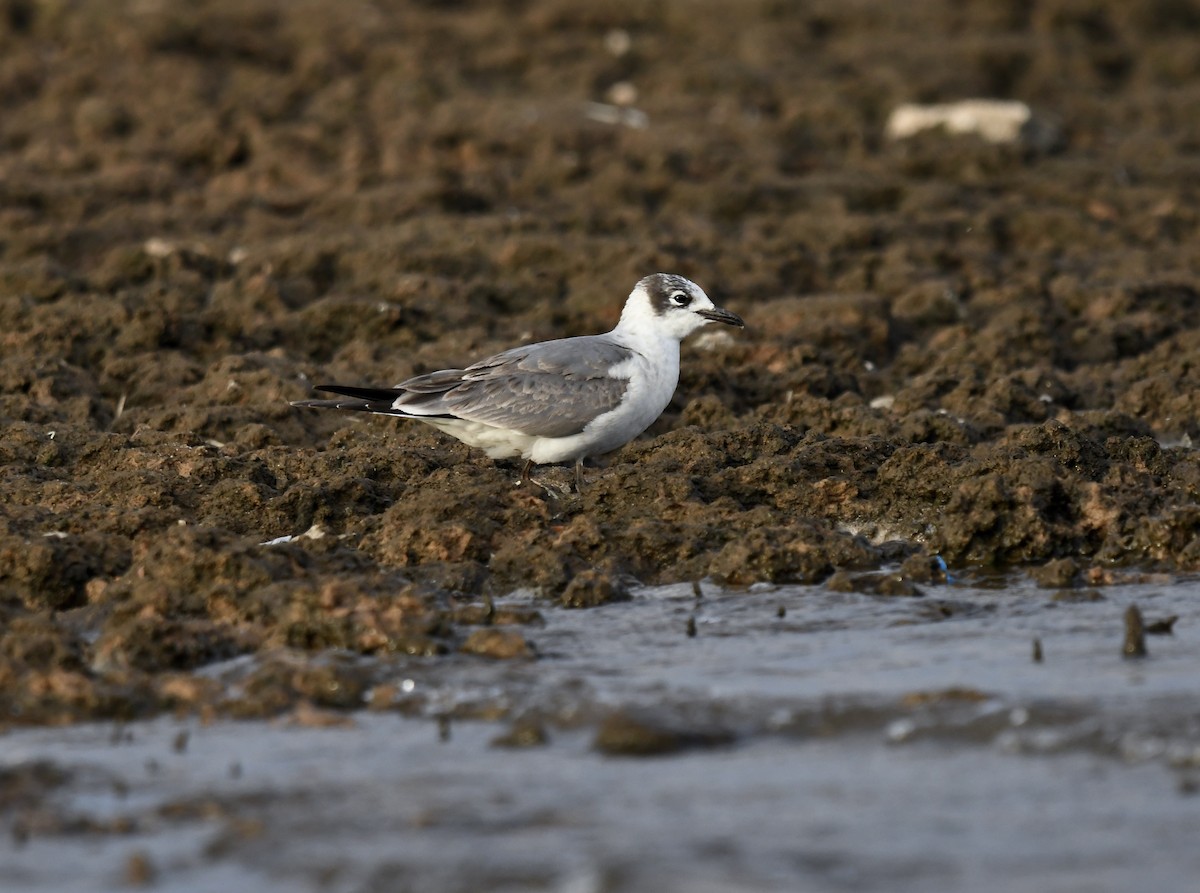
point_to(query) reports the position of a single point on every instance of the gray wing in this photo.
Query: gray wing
(551, 389)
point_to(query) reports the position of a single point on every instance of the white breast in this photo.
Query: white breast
(653, 374)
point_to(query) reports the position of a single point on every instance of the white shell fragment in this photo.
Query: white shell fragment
(995, 120)
(632, 118)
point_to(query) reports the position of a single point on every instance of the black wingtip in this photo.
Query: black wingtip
(377, 400)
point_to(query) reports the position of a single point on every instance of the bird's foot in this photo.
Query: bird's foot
(554, 492)
(527, 480)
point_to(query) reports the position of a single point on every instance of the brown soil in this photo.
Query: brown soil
(206, 207)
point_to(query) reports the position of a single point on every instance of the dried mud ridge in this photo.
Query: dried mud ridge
(955, 350)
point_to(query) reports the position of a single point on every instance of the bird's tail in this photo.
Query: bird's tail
(377, 400)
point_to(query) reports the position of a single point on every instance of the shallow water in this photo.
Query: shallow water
(858, 742)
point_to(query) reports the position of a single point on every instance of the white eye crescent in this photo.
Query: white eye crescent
(681, 299)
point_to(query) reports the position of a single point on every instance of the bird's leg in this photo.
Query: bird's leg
(579, 475)
(527, 478)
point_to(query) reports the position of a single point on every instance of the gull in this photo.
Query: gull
(557, 401)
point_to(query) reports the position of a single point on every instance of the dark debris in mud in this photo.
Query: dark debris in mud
(633, 733)
(954, 349)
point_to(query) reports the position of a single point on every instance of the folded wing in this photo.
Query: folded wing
(552, 389)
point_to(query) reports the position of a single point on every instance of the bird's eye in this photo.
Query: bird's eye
(681, 299)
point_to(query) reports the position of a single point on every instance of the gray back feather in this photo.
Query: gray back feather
(551, 389)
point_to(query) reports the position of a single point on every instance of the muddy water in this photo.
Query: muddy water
(856, 742)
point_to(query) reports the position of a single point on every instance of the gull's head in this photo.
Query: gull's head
(672, 306)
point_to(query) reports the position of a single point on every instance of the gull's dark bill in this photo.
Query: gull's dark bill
(716, 314)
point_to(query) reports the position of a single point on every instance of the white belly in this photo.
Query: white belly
(498, 443)
(650, 389)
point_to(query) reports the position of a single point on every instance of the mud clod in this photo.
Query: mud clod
(633, 734)
(1056, 574)
(500, 644)
(525, 731)
(896, 584)
(1078, 595)
(591, 588)
(140, 870)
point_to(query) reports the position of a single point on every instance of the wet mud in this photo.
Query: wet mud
(957, 352)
